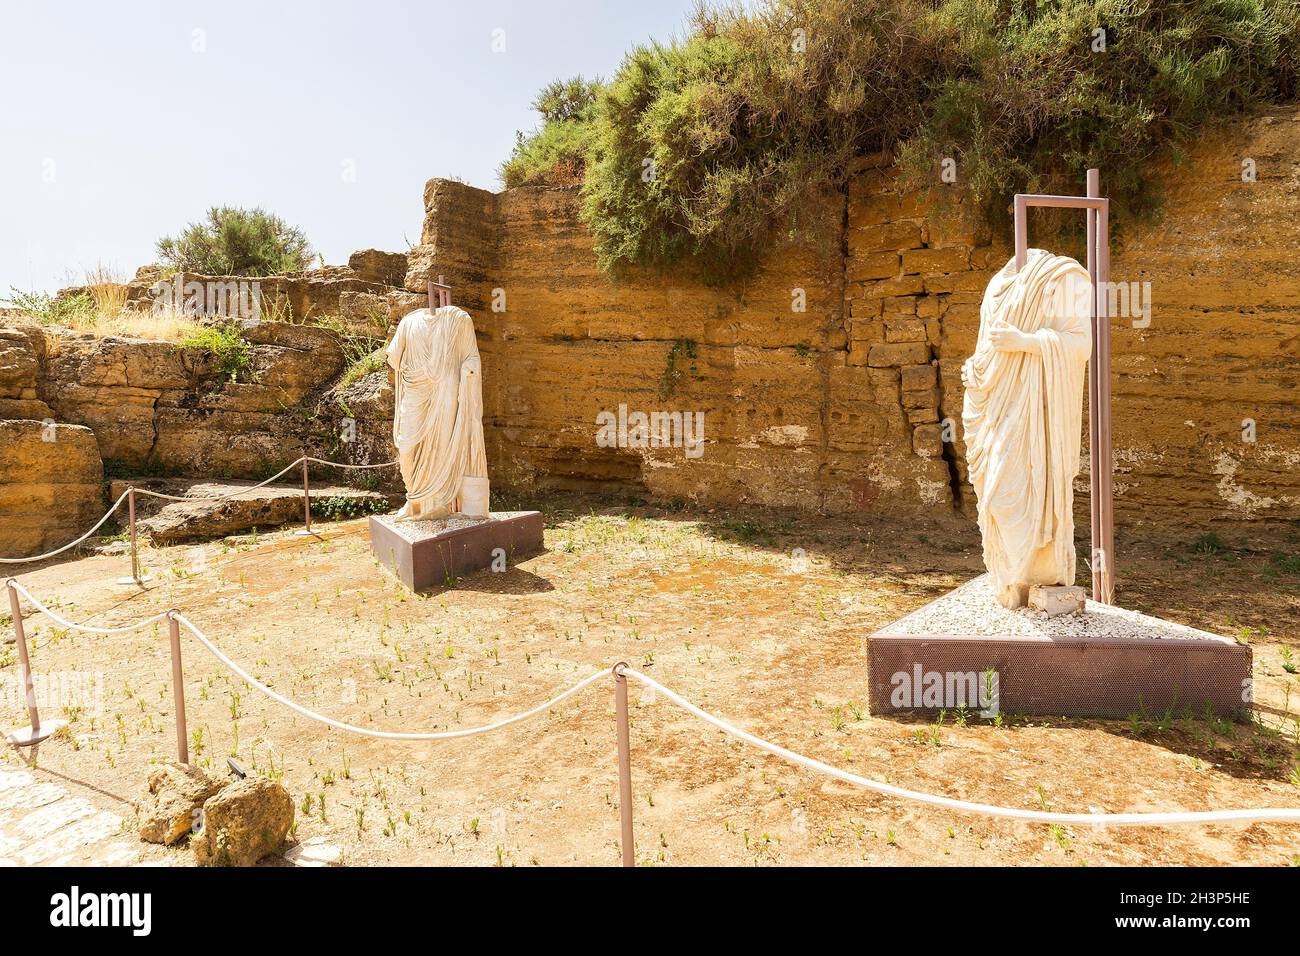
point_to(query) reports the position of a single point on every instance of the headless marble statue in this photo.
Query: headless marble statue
(438, 414)
(1022, 416)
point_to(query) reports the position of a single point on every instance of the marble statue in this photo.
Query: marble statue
(438, 414)
(1022, 418)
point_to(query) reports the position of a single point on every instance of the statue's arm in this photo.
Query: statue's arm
(1007, 338)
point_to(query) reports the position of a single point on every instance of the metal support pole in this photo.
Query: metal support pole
(35, 732)
(178, 687)
(135, 577)
(1106, 513)
(306, 501)
(1021, 226)
(135, 555)
(1094, 397)
(624, 765)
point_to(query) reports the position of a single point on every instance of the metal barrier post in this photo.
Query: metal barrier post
(178, 687)
(35, 732)
(624, 765)
(135, 577)
(306, 502)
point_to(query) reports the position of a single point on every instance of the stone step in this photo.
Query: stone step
(170, 522)
(41, 824)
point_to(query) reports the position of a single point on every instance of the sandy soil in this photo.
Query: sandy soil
(716, 606)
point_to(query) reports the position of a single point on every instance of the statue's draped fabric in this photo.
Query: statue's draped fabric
(438, 420)
(1022, 419)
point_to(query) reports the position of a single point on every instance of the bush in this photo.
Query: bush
(555, 153)
(363, 366)
(233, 353)
(709, 147)
(46, 309)
(238, 242)
(343, 507)
(1033, 101)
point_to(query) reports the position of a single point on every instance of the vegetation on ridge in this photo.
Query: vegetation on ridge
(710, 146)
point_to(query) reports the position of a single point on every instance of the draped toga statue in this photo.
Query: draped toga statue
(1022, 419)
(438, 416)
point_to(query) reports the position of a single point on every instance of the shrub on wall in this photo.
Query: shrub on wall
(555, 154)
(709, 146)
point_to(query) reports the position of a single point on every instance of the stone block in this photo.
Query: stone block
(899, 285)
(924, 398)
(876, 265)
(904, 329)
(898, 353)
(917, 377)
(954, 259)
(887, 236)
(1056, 600)
(927, 441)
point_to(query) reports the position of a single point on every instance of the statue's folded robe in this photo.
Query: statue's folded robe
(438, 418)
(1021, 420)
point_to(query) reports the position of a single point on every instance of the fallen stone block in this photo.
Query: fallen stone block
(246, 821)
(171, 809)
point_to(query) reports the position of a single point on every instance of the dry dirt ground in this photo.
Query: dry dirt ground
(716, 606)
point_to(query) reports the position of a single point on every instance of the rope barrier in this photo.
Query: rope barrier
(244, 491)
(384, 734)
(1286, 814)
(70, 544)
(621, 672)
(64, 622)
(236, 494)
(210, 498)
(341, 464)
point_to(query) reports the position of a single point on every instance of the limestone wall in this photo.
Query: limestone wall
(841, 406)
(51, 486)
(828, 380)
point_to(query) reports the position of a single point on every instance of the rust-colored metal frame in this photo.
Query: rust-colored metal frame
(439, 293)
(1100, 461)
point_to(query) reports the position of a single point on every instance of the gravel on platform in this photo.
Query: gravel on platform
(432, 527)
(971, 610)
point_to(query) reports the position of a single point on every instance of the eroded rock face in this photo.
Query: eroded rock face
(51, 486)
(19, 365)
(385, 268)
(170, 809)
(379, 314)
(246, 821)
(156, 405)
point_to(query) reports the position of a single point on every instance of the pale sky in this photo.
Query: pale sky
(123, 122)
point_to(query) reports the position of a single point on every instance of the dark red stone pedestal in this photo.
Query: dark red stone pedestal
(1068, 676)
(431, 553)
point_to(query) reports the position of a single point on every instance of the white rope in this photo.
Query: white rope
(236, 494)
(70, 544)
(341, 464)
(59, 619)
(1288, 814)
(385, 734)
